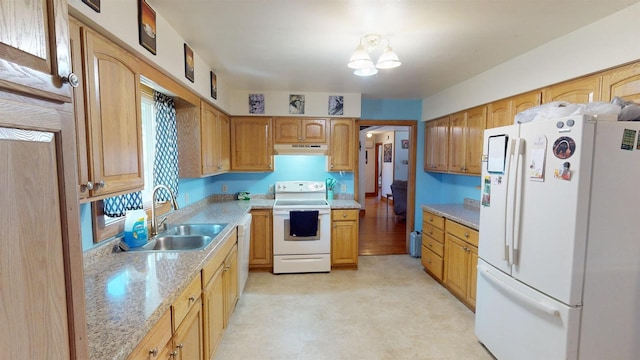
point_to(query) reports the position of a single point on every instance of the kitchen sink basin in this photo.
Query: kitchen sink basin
(183, 237)
(177, 243)
(195, 229)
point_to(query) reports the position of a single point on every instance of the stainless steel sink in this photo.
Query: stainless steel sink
(195, 229)
(176, 243)
(183, 237)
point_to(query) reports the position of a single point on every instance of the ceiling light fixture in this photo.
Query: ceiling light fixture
(361, 61)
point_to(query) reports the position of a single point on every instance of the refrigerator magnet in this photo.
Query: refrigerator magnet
(628, 138)
(564, 147)
(564, 173)
(486, 191)
(537, 162)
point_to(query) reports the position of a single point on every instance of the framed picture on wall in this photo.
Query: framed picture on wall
(147, 26)
(386, 152)
(214, 85)
(405, 144)
(94, 4)
(189, 67)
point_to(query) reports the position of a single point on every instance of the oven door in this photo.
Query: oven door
(285, 244)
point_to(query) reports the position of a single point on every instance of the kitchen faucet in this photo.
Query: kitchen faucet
(174, 205)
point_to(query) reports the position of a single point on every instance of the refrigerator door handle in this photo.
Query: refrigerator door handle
(507, 222)
(512, 191)
(547, 309)
(515, 240)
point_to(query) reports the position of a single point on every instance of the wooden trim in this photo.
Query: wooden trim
(411, 176)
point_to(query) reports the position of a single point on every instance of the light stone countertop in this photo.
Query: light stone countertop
(126, 293)
(467, 214)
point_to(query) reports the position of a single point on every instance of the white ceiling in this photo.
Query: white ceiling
(304, 45)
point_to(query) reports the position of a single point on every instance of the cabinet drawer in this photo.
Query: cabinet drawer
(432, 262)
(462, 232)
(433, 245)
(158, 338)
(185, 301)
(432, 219)
(344, 214)
(433, 232)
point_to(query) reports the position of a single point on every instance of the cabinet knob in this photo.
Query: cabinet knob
(71, 79)
(180, 346)
(174, 353)
(98, 185)
(428, 261)
(466, 235)
(344, 215)
(430, 232)
(153, 352)
(87, 186)
(192, 298)
(430, 244)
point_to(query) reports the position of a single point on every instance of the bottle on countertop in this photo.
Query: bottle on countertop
(136, 232)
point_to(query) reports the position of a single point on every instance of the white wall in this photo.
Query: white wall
(400, 157)
(118, 20)
(277, 103)
(387, 167)
(606, 43)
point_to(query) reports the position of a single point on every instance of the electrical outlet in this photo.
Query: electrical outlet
(224, 188)
(271, 189)
(343, 188)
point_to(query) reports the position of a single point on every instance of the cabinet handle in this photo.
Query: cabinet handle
(174, 353)
(344, 216)
(180, 346)
(430, 244)
(428, 261)
(71, 79)
(153, 352)
(466, 235)
(335, 226)
(192, 298)
(430, 232)
(99, 185)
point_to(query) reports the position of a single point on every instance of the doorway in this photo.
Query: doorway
(381, 230)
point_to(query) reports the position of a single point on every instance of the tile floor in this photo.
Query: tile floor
(388, 309)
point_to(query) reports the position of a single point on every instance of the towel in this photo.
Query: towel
(303, 223)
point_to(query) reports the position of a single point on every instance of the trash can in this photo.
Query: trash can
(415, 244)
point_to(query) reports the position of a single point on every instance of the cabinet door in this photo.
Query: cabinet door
(582, 90)
(287, 130)
(499, 113)
(75, 43)
(230, 279)
(314, 131)
(251, 144)
(213, 307)
(261, 249)
(623, 82)
(188, 338)
(34, 41)
(457, 124)
(474, 135)
(525, 101)
(430, 138)
(114, 124)
(341, 152)
(223, 131)
(455, 265)
(156, 342)
(344, 238)
(441, 152)
(41, 273)
(472, 276)
(209, 137)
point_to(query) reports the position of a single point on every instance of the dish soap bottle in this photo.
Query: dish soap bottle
(135, 228)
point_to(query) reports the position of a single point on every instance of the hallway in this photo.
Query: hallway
(381, 233)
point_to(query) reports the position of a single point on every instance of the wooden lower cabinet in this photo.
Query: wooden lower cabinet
(433, 244)
(214, 312)
(344, 238)
(460, 262)
(188, 338)
(230, 283)
(261, 249)
(157, 344)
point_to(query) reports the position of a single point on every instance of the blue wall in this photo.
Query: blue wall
(287, 167)
(431, 188)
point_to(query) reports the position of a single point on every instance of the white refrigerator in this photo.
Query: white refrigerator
(559, 250)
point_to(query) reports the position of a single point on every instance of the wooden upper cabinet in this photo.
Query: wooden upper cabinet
(34, 41)
(525, 101)
(457, 124)
(341, 149)
(499, 113)
(113, 117)
(583, 90)
(436, 144)
(623, 82)
(251, 144)
(466, 133)
(215, 133)
(298, 130)
(476, 123)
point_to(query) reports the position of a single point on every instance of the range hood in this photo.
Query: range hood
(300, 149)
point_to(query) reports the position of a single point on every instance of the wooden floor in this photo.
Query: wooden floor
(381, 233)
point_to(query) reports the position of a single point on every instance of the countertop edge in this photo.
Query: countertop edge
(457, 213)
